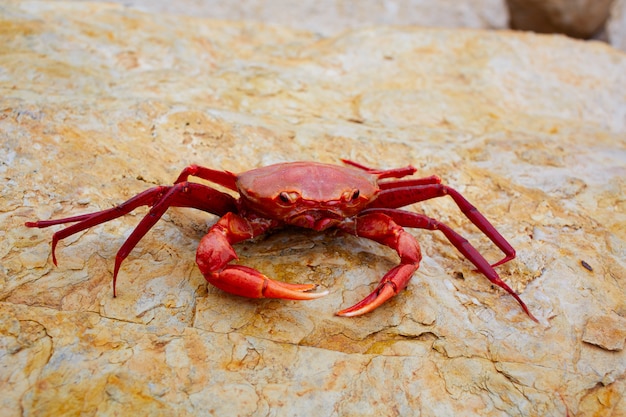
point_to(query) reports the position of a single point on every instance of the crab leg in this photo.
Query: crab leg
(215, 252)
(383, 173)
(420, 221)
(382, 229)
(402, 193)
(160, 198)
(223, 178)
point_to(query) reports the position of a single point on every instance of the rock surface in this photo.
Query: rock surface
(332, 17)
(100, 102)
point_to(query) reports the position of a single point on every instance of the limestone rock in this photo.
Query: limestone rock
(100, 102)
(578, 18)
(331, 17)
(608, 332)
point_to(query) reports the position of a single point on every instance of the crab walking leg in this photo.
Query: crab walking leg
(215, 252)
(224, 178)
(382, 229)
(159, 198)
(402, 193)
(85, 221)
(383, 173)
(433, 179)
(420, 221)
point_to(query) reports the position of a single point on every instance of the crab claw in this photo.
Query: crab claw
(247, 282)
(392, 283)
(381, 294)
(215, 252)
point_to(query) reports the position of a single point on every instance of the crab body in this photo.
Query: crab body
(355, 199)
(306, 194)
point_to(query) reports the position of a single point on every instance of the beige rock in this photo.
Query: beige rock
(331, 17)
(100, 102)
(616, 26)
(608, 332)
(578, 18)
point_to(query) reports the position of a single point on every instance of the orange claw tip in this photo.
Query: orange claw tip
(353, 312)
(314, 295)
(346, 313)
(288, 294)
(284, 290)
(369, 303)
(296, 287)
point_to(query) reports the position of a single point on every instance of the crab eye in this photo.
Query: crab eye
(288, 197)
(351, 196)
(284, 197)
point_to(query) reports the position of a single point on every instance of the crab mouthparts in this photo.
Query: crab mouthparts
(316, 219)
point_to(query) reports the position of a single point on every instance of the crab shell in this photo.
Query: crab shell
(312, 195)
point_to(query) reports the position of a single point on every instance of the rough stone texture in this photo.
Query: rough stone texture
(578, 18)
(331, 17)
(616, 26)
(608, 332)
(99, 102)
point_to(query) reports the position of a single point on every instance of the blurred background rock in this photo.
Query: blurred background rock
(585, 19)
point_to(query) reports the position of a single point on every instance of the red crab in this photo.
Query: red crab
(355, 199)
